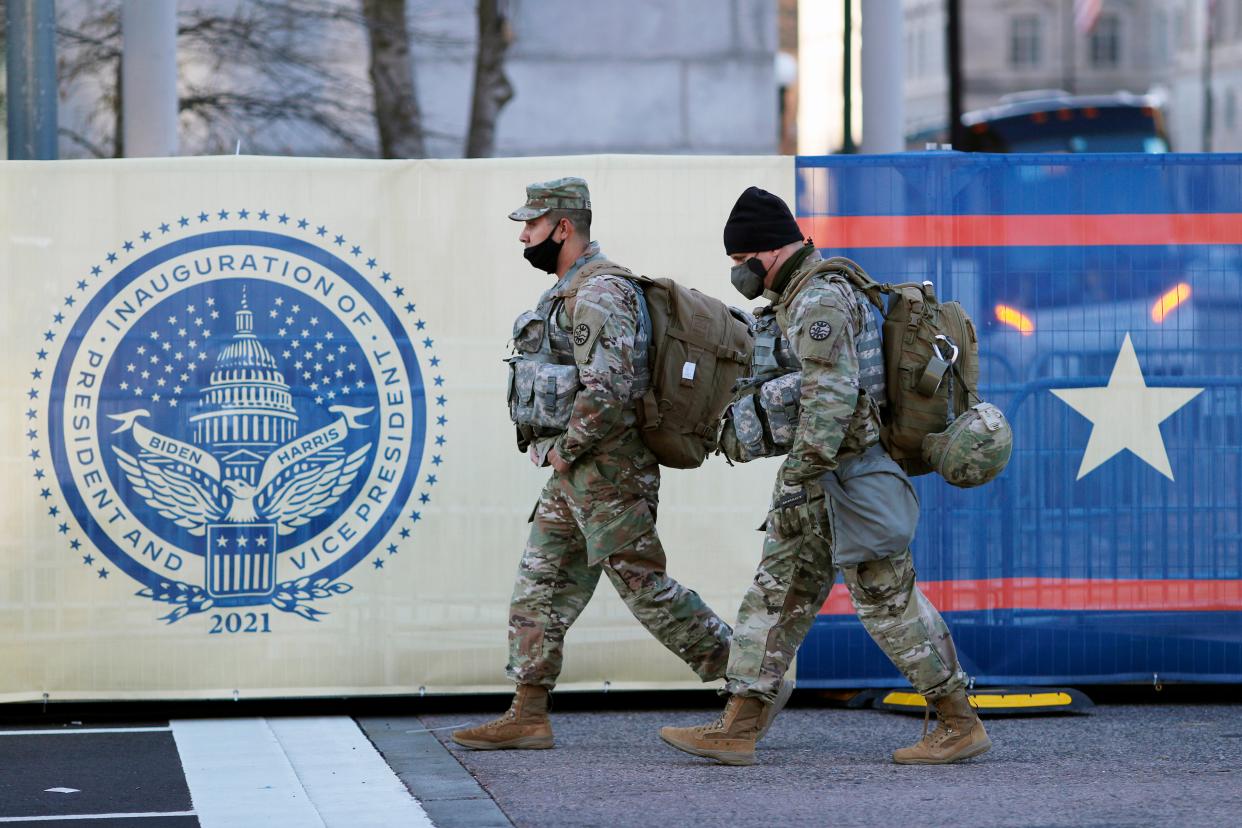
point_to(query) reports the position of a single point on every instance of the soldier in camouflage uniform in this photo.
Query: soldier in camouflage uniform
(597, 512)
(840, 504)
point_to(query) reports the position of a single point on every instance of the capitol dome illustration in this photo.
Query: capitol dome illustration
(246, 409)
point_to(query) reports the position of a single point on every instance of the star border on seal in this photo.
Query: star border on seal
(113, 262)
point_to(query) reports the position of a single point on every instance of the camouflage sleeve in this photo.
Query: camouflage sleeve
(605, 326)
(819, 330)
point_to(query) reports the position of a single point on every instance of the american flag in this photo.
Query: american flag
(1086, 13)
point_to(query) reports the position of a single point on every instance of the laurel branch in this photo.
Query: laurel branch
(190, 599)
(291, 596)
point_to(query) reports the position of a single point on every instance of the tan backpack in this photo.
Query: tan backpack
(698, 351)
(931, 363)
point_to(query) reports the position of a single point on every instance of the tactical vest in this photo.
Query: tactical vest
(871, 373)
(543, 375)
(772, 355)
(763, 418)
(760, 420)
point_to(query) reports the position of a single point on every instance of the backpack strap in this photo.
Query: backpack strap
(609, 268)
(603, 267)
(857, 277)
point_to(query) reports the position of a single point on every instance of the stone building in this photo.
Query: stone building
(1187, 26)
(1012, 46)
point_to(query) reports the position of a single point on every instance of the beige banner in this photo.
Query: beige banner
(241, 307)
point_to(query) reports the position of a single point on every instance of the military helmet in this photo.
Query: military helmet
(974, 449)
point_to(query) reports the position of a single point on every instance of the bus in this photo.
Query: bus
(1055, 121)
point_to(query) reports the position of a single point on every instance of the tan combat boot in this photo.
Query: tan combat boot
(729, 740)
(783, 692)
(525, 726)
(958, 735)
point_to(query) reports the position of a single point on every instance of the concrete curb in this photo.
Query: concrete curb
(446, 790)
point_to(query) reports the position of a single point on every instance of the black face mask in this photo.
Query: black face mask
(748, 277)
(544, 255)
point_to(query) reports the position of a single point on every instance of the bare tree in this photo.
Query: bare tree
(392, 80)
(264, 75)
(257, 75)
(282, 76)
(492, 89)
(88, 57)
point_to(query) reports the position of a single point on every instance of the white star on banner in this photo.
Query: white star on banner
(1126, 414)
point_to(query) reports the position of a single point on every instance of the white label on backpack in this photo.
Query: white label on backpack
(687, 370)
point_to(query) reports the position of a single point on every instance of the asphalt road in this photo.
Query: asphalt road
(1119, 765)
(48, 771)
(1123, 765)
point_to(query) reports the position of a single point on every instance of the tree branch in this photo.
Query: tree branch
(492, 89)
(392, 79)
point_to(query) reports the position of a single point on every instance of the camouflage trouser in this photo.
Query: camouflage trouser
(600, 516)
(789, 589)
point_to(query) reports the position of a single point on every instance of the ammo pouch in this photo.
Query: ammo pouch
(541, 394)
(541, 388)
(763, 421)
(781, 401)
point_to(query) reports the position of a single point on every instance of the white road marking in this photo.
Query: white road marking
(62, 790)
(97, 816)
(349, 782)
(238, 774)
(79, 730)
(290, 773)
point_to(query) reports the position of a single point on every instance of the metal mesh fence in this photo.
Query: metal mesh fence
(1073, 566)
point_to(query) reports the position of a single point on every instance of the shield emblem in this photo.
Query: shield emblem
(241, 559)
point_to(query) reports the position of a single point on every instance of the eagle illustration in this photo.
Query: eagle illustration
(178, 494)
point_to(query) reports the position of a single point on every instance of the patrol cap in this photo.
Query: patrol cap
(557, 194)
(974, 449)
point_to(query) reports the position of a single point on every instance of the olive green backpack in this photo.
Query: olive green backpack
(931, 362)
(698, 351)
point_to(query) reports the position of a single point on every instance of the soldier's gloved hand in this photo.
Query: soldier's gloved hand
(797, 509)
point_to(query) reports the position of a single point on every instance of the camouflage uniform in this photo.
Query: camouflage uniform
(865, 512)
(600, 515)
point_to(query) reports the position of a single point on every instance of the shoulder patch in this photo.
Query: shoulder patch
(589, 321)
(817, 331)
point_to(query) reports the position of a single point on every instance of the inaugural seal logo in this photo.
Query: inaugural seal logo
(237, 417)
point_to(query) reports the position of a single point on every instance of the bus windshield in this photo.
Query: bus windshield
(1067, 127)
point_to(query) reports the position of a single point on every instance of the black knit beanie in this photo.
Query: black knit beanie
(759, 221)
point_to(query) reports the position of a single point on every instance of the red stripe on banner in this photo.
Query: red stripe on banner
(1023, 231)
(1068, 594)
